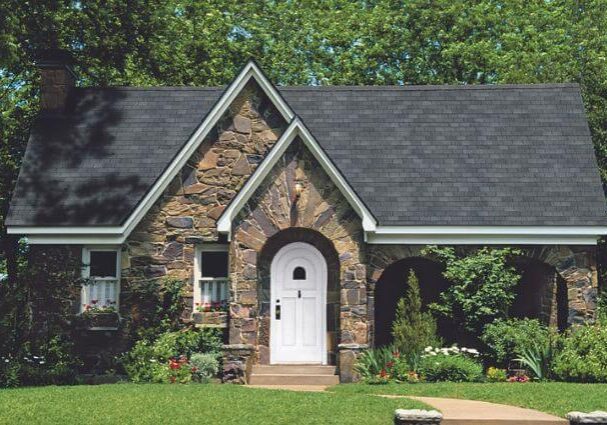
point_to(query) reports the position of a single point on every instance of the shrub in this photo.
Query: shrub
(449, 365)
(482, 286)
(204, 366)
(539, 359)
(53, 363)
(412, 329)
(506, 340)
(372, 362)
(496, 375)
(583, 354)
(150, 361)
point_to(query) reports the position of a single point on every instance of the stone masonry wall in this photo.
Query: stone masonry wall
(162, 245)
(274, 208)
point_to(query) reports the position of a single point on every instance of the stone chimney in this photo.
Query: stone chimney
(57, 78)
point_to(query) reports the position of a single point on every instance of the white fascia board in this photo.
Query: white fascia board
(493, 230)
(487, 235)
(296, 128)
(47, 230)
(41, 235)
(82, 239)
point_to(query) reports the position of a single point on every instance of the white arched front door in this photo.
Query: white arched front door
(298, 305)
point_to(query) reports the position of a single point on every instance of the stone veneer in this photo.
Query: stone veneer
(322, 213)
(163, 243)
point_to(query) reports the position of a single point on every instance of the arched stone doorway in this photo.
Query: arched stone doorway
(272, 246)
(392, 285)
(541, 293)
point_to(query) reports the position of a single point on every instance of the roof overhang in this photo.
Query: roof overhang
(295, 129)
(374, 234)
(487, 235)
(118, 234)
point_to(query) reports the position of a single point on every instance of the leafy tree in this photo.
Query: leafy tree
(413, 329)
(482, 286)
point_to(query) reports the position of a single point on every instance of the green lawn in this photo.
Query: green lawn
(557, 398)
(187, 404)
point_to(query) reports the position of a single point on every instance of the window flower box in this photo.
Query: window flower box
(103, 317)
(211, 319)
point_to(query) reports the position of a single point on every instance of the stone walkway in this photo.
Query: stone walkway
(470, 412)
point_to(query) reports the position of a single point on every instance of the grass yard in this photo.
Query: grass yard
(556, 398)
(187, 404)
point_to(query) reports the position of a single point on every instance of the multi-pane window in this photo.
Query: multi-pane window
(101, 289)
(212, 278)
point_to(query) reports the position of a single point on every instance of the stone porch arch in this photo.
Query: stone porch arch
(575, 265)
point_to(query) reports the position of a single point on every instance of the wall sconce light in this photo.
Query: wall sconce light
(298, 190)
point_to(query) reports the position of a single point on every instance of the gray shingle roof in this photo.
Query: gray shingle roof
(416, 155)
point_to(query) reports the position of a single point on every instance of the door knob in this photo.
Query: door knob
(277, 312)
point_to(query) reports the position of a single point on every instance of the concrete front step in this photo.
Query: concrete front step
(293, 375)
(293, 370)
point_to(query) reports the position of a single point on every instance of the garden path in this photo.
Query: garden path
(470, 412)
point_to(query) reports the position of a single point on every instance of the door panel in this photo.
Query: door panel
(288, 320)
(309, 328)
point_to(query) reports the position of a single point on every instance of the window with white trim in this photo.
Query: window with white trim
(101, 273)
(211, 275)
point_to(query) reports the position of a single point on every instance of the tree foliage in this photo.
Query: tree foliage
(413, 329)
(482, 286)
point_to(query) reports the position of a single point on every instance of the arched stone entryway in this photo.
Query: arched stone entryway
(393, 284)
(297, 194)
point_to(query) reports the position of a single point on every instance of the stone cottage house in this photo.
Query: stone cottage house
(293, 213)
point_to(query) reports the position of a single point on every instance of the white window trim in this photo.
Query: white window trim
(86, 270)
(198, 250)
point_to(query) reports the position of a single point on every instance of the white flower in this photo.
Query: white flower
(463, 349)
(473, 351)
(428, 349)
(6, 361)
(42, 362)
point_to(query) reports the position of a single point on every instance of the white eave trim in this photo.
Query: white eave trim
(118, 234)
(487, 235)
(296, 128)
